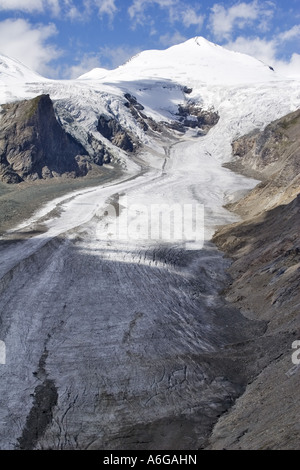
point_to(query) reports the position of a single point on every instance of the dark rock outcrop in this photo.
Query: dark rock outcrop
(100, 154)
(112, 130)
(194, 116)
(146, 122)
(187, 90)
(189, 116)
(136, 111)
(132, 102)
(33, 145)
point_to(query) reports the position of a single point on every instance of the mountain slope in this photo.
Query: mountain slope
(265, 286)
(12, 71)
(272, 156)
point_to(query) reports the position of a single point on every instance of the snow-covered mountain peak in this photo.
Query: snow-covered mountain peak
(194, 61)
(196, 41)
(95, 74)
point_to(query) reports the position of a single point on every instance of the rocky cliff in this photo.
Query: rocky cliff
(272, 156)
(265, 285)
(113, 131)
(33, 145)
(194, 116)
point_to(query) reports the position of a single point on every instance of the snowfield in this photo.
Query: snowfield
(121, 338)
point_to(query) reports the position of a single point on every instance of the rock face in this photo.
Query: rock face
(136, 109)
(111, 129)
(33, 145)
(265, 286)
(194, 116)
(272, 156)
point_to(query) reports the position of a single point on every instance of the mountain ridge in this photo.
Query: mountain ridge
(15, 70)
(196, 54)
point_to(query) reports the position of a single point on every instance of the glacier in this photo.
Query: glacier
(126, 343)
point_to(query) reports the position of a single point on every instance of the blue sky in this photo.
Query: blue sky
(65, 38)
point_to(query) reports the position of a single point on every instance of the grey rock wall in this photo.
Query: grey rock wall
(33, 145)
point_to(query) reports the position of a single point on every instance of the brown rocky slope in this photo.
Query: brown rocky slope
(265, 272)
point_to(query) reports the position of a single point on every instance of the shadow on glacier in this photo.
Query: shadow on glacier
(140, 356)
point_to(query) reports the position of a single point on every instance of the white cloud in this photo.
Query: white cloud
(27, 43)
(106, 57)
(138, 7)
(84, 11)
(191, 18)
(73, 13)
(106, 7)
(268, 51)
(71, 8)
(292, 33)
(290, 69)
(259, 48)
(22, 5)
(117, 56)
(31, 6)
(224, 20)
(87, 63)
(176, 11)
(137, 10)
(168, 40)
(55, 7)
